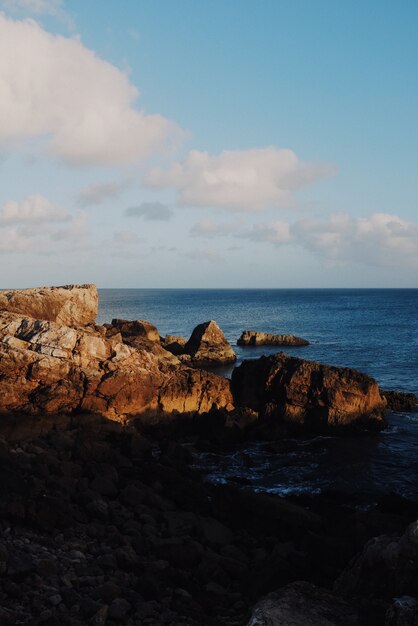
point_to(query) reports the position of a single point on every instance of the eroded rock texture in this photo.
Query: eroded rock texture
(71, 305)
(255, 338)
(304, 393)
(47, 367)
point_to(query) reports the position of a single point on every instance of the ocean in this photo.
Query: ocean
(372, 330)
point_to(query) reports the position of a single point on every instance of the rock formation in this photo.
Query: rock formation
(306, 394)
(255, 338)
(208, 345)
(400, 400)
(174, 344)
(46, 367)
(71, 305)
(303, 604)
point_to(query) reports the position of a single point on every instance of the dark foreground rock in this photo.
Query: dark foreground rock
(71, 305)
(208, 346)
(303, 604)
(255, 338)
(304, 394)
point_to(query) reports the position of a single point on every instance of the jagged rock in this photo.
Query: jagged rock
(255, 338)
(400, 401)
(291, 391)
(208, 345)
(139, 334)
(71, 305)
(174, 344)
(137, 328)
(387, 568)
(49, 368)
(303, 604)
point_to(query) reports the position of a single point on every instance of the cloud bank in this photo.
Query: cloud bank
(54, 88)
(241, 180)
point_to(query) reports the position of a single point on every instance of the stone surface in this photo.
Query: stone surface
(174, 344)
(255, 338)
(306, 394)
(303, 604)
(208, 345)
(50, 368)
(71, 305)
(400, 401)
(386, 568)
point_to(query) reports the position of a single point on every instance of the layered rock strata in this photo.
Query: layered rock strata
(49, 368)
(71, 305)
(255, 338)
(307, 394)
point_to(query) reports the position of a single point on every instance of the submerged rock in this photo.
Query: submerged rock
(71, 305)
(306, 394)
(50, 368)
(303, 604)
(255, 338)
(208, 345)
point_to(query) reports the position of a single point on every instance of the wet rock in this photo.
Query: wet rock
(256, 338)
(208, 345)
(400, 401)
(292, 392)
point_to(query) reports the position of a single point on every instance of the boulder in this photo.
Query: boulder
(137, 328)
(46, 368)
(208, 345)
(255, 338)
(303, 394)
(386, 568)
(400, 401)
(303, 604)
(71, 305)
(174, 344)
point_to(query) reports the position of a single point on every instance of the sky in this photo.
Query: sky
(211, 143)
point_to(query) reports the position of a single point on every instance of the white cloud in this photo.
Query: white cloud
(243, 180)
(151, 211)
(277, 232)
(36, 225)
(379, 239)
(54, 88)
(208, 228)
(100, 192)
(34, 209)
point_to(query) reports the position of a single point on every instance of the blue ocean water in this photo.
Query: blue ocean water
(373, 330)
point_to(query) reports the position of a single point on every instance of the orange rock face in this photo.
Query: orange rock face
(48, 368)
(71, 305)
(308, 394)
(208, 345)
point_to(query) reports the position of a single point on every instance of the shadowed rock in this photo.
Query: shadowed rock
(306, 394)
(71, 305)
(400, 401)
(255, 338)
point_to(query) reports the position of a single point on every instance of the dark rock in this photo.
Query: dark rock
(119, 608)
(255, 338)
(400, 401)
(290, 392)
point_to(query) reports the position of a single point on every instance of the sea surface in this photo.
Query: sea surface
(372, 330)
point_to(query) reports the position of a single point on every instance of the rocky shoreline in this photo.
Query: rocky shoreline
(103, 520)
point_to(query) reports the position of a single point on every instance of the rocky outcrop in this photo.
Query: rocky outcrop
(299, 393)
(303, 604)
(141, 335)
(50, 368)
(208, 345)
(255, 338)
(71, 305)
(386, 568)
(400, 400)
(174, 344)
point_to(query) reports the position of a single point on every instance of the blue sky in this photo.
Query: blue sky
(272, 143)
